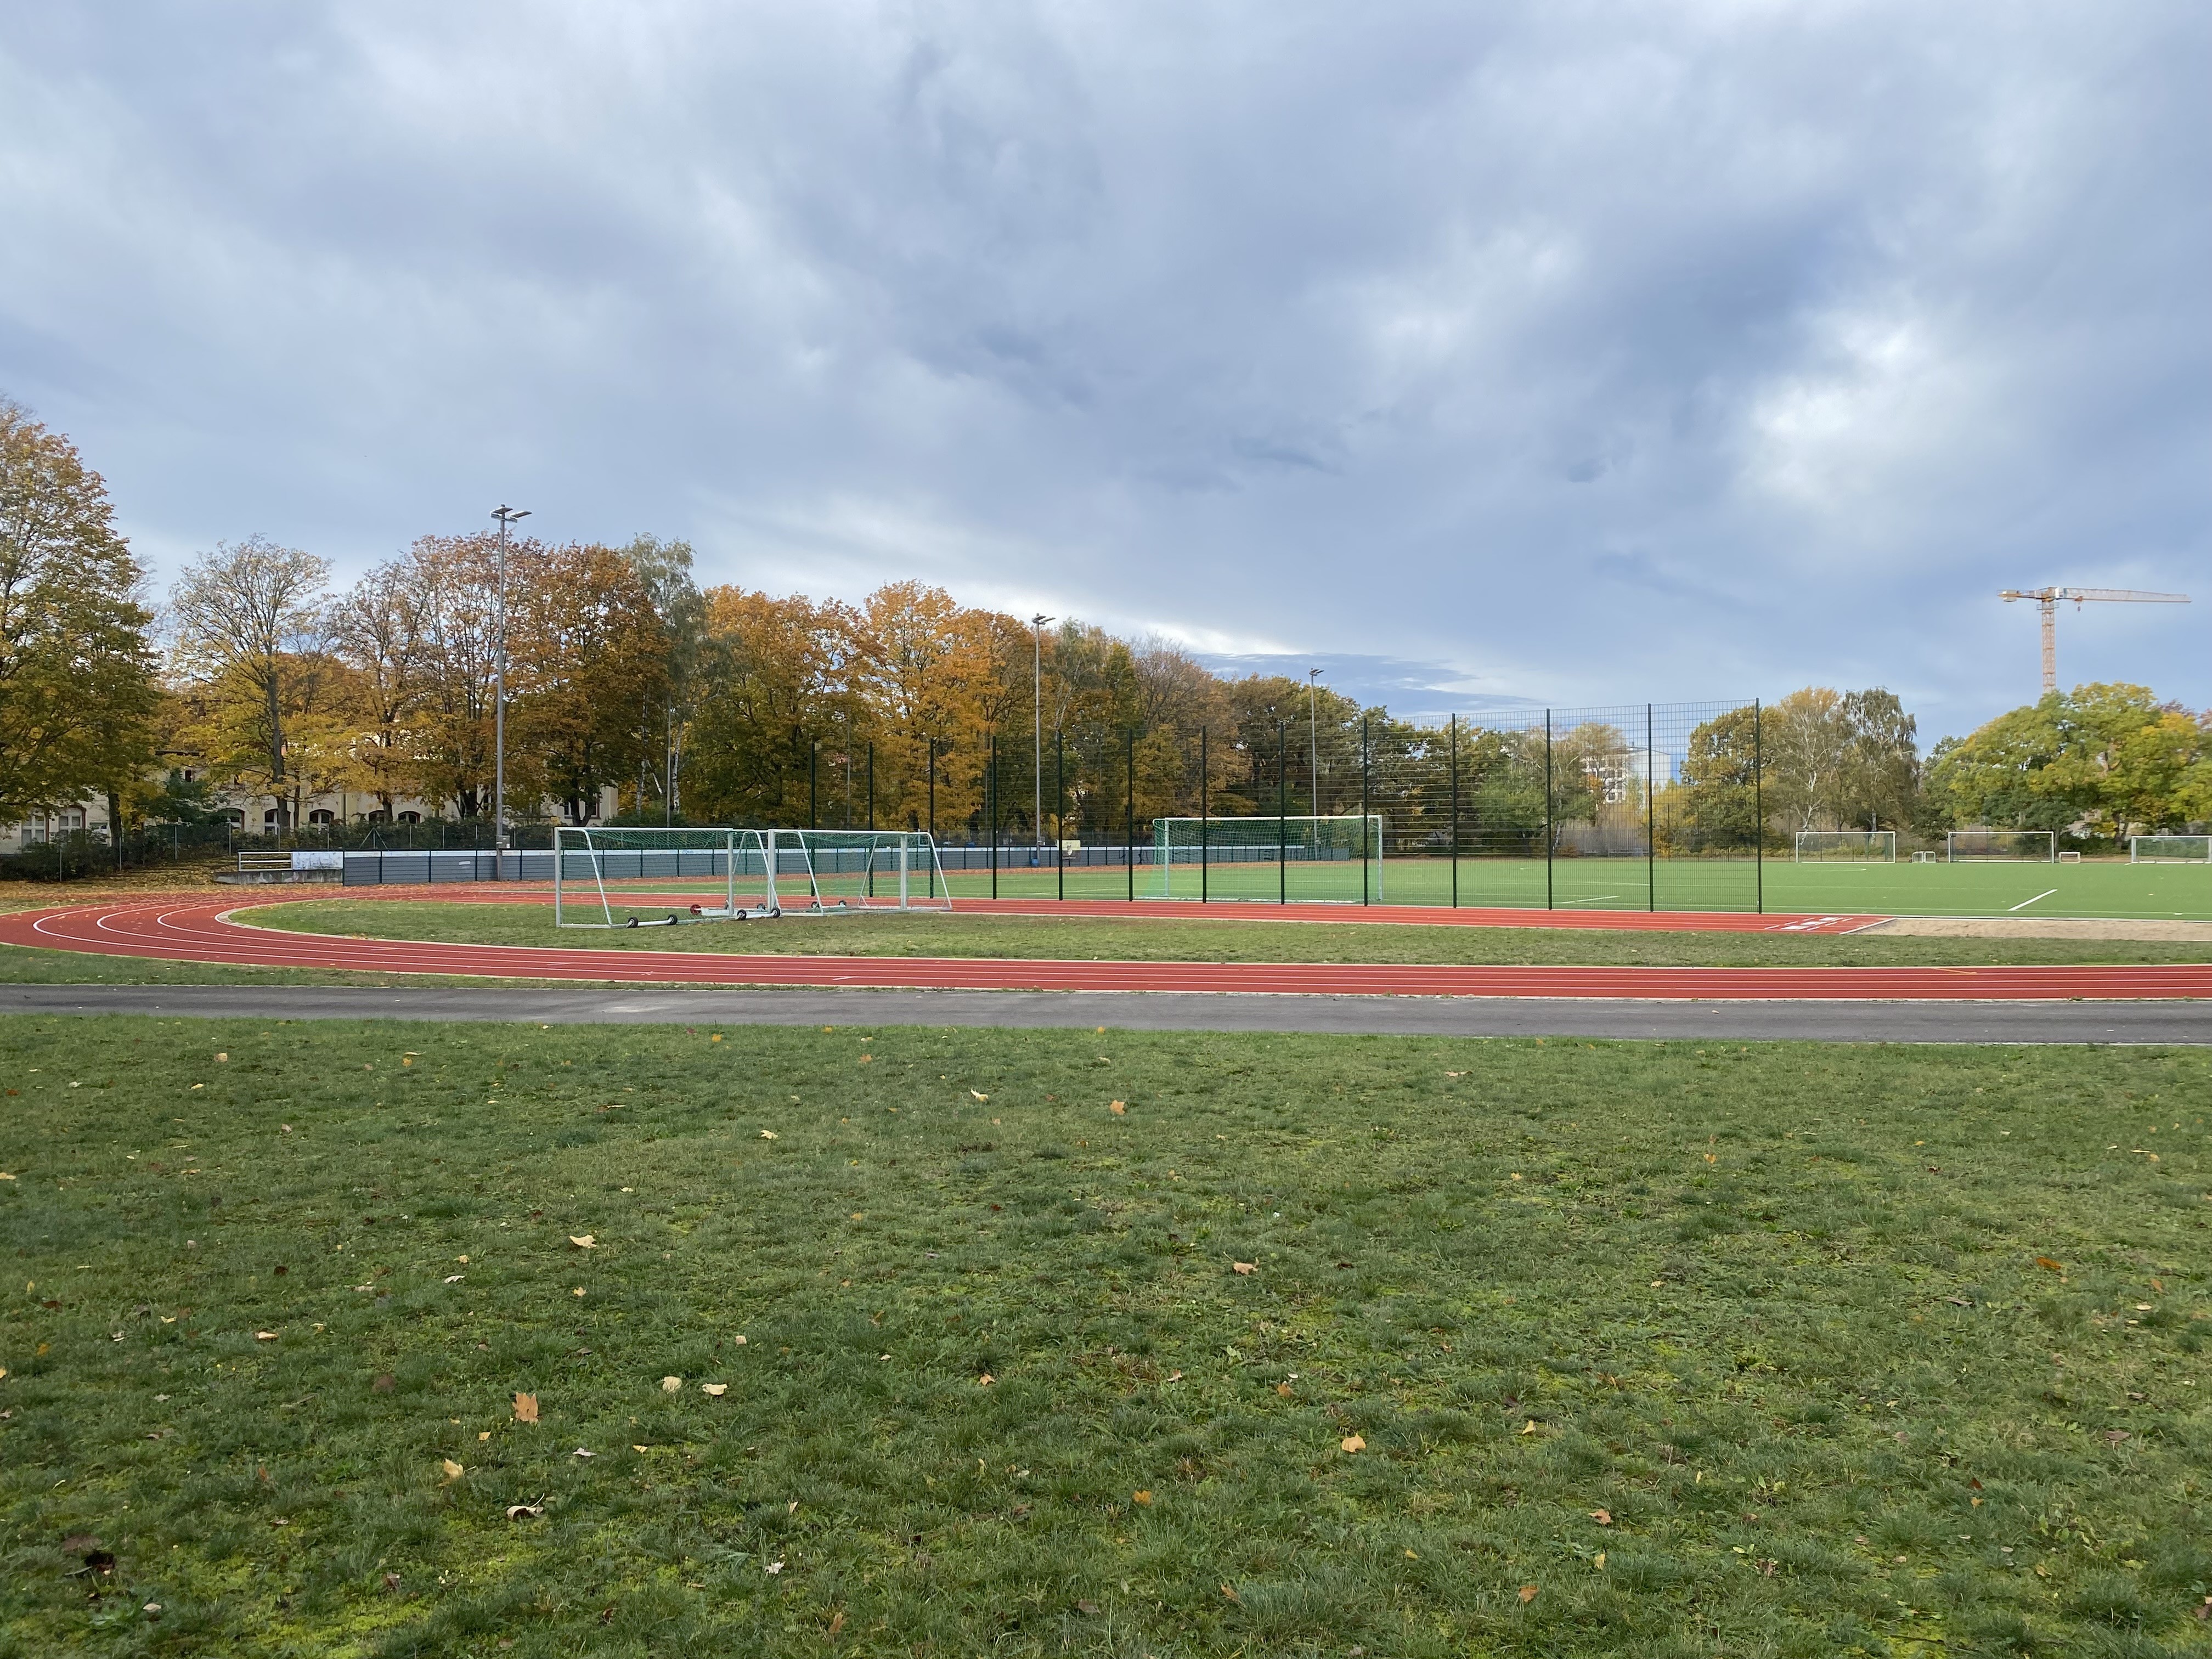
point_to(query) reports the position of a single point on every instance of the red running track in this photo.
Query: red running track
(195, 928)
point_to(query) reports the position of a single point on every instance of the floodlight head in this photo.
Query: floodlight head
(508, 515)
(1039, 620)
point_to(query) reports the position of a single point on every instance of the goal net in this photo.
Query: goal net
(2001, 846)
(1847, 846)
(1322, 859)
(662, 878)
(2170, 849)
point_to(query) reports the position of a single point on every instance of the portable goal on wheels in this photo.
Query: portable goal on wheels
(1847, 846)
(1315, 859)
(738, 875)
(2001, 846)
(2170, 849)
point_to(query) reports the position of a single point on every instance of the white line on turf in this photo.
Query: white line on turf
(2024, 903)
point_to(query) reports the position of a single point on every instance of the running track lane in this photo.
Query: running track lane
(195, 929)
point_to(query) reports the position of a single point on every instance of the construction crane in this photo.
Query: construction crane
(2047, 600)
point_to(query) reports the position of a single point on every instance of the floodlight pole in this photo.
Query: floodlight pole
(1037, 717)
(505, 515)
(1313, 739)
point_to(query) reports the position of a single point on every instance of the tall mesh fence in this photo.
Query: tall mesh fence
(1636, 807)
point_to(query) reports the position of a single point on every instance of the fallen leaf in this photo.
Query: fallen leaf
(1144, 1497)
(583, 1241)
(264, 1336)
(773, 1567)
(1230, 1595)
(4, 1176)
(1528, 1592)
(1120, 1109)
(672, 1384)
(525, 1511)
(455, 1278)
(739, 1340)
(837, 1619)
(223, 1056)
(986, 1380)
(768, 1134)
(1283, 1389)
(1086, 1607)
(1244, 1266)
(579, 1291)
(383, 1384)
(1599, 1562)
(1603, 1518)
(581, 1452)
(453, 1471)
(714, 1390)
(484, 1434)
(979, 1096)
(526, 1409)
(1353, 1442)
(2045, 1262)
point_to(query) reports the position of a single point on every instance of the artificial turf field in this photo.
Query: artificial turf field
(2108, 887)
(1545, 1348)
(1218, 936)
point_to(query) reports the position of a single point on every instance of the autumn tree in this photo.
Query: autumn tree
(2100, 760)
(250, 637)
(77, 689)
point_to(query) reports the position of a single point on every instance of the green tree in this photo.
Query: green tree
(77, 687)
(2097, 761)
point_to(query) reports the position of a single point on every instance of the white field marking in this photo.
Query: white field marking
(1810, 925)
(2024, 903)
(1600, 899)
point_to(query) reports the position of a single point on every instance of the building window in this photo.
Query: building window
(71, 820)
(320, 815)
(268, 819)
(411, 818)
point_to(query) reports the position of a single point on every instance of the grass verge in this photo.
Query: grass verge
(1554, 1349)
(1150, 940)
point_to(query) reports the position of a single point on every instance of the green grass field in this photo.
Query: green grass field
(1544, 1349)
(1217, 937)
(2101, 888)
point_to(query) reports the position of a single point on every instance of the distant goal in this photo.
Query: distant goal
(2170, 849)
(2001, 846)
(1311, 860)
(738, 875)
(1847, 846)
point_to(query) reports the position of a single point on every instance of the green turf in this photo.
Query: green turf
(2098, 888)
(1214, 939)
(1781, 1313)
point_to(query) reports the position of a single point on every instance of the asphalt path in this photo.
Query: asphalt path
(1828, 1020)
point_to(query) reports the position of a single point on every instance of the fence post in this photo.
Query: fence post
(1282, 815)
(813, 813)
(1650, 822)
(1060, 809)
(1129, 833)
(1366, 810)
(1455, 812)
(1205, 856)
(1757, 810)
(932, 793)
(991, 809)
(1547, 809)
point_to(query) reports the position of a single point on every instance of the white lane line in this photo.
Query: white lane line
(2024, 903)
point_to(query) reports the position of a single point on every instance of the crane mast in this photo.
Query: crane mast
(2047, 599)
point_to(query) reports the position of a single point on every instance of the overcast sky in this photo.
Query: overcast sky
(1564, 351)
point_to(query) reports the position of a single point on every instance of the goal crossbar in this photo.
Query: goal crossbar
(740, 875)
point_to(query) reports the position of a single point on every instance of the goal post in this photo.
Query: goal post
(2170, 849)
(1846, 846)
(1315, 859)
(2001, 846)
(730, 874)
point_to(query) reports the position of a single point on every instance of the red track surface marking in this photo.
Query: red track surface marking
(193, 928)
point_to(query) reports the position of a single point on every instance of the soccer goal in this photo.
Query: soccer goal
(738, 875)
(1315, 859)
(2170, 849)
(2001, 846)
(1847, 846)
